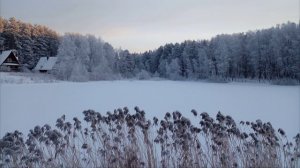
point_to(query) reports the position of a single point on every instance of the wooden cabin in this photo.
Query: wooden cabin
(45, 64)
(9, 61)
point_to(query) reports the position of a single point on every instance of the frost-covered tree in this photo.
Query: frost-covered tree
(26, 51)
(221, 55)
(201, 63)
(165, 57)
(1, 33)
(10, 34)
(173, 70)
(126, 64)
(143, 75)
(110, 56)
(65, 58)
(79, 72)
(82, 58)
(189, 54)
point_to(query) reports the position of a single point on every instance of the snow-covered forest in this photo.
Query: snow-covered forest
(265, 54)
(268, 54)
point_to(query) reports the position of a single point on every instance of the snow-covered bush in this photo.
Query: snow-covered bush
(216, 79)
(285, 81)
(143, 75)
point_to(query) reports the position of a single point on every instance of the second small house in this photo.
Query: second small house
(45, 64)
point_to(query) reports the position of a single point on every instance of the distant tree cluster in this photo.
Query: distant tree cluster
(265, 54)
(83, 58)
(31, 41)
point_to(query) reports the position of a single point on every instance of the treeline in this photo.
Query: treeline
(264, 54)
(31, 41)
(268, 54)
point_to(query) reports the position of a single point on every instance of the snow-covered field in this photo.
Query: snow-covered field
(25, 105)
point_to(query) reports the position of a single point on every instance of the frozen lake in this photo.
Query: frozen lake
(25, 105)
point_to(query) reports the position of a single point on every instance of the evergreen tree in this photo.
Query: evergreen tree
(173, 70)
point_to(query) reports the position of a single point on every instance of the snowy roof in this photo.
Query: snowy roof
(4, 55)
(45, 63)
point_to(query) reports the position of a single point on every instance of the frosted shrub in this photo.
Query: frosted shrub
(285, 81)
(121, 139)
(143, 75)
(217, 79)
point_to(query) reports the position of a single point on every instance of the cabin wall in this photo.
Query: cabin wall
(10, 68)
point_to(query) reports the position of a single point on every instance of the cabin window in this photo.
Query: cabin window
(9, 60)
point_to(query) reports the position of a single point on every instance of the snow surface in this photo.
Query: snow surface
(24, 106)
(17, 78)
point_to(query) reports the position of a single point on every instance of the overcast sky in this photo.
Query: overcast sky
(139, 25)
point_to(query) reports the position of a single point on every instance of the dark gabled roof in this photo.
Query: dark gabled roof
(4, 55)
